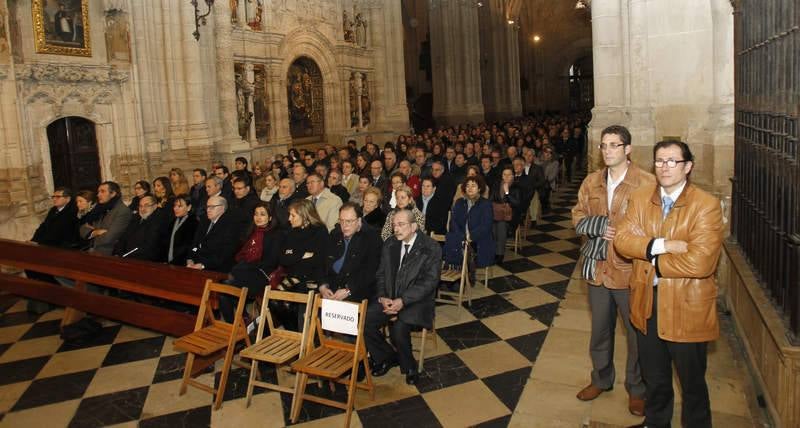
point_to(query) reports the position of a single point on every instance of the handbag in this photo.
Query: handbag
(502, 211)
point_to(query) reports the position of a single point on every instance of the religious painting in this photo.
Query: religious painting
(304, 92)
(260, 106)
(62, 27)
(118, 44)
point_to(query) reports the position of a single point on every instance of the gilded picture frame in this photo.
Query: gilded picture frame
(61, 27)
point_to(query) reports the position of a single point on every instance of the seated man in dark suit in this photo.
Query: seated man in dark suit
(216, 239)
(433, 206)
(59, 229)
(406, 282)
(353, 257)
(279, 205)
(143, 238)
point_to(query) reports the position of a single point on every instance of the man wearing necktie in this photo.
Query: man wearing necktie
(673, 233)
(406, 282)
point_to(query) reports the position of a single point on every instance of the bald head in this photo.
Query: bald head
(215, 207)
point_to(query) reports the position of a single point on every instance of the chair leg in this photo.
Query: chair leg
(187, 372)
(486, 277)
(226, 368)
(299, 392)
(422, 350)
(351, 396)
(253, 372)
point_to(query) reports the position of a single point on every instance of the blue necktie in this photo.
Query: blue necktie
(337, 265)
(666, 205)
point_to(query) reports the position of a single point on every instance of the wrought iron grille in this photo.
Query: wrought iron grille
(766, 182)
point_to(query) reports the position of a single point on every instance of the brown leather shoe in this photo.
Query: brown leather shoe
(636, 405)
(589, 393)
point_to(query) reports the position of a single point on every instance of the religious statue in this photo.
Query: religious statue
(234, 11)
(361, 30)
(355, 94)
(347, 24)
(253, 11)
(242, 102)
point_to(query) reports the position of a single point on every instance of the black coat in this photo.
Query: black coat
(216, 249)
(513, 198)
(59, 228)
(280, 209)
(182, 243)
(436, 213)
(142, 239)
(341, 192)
(446, 186)
(243, 211)
(416, 282)
(360, 264)
(376, 218)
(254, 275)
(311, 239)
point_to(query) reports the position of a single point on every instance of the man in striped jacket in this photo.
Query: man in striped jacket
(602, 201)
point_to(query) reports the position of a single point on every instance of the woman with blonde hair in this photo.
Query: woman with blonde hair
(405, 199)
(371, 204)
(180, 184)
(303, 252)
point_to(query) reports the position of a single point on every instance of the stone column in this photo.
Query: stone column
(385, 36)
(499, 62)
(196, 122)
(607, 57)
(278, 104)
(640, 112)
(455, 57)
(174, 61)
(231, 142)
(722, 110)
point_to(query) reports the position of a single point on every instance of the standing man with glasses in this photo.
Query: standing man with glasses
(673, 233)
(602, 200)
(406, 282)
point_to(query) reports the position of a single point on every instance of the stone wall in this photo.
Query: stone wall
(159, 98)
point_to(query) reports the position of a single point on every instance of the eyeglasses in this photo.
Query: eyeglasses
(213, 206)
(400, 224)
(57, 196)
(612, 146)
(671, 163)
(145, 205)
(347, 221)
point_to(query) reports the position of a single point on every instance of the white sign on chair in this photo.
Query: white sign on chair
(340, 317)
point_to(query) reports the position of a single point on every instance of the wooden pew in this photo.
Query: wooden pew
(162, 281)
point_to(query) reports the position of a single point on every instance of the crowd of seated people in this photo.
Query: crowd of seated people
(320, 218)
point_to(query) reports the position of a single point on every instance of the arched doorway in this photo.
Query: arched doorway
(306, 103)
(74, 156)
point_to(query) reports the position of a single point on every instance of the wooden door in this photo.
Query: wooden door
(73, 153)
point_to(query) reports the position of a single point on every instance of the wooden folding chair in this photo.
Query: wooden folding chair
(462, 276)
(332, 359)
(212, 339)
(514, 244)
(281, 345)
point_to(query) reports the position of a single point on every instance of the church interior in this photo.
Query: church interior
(130, 91)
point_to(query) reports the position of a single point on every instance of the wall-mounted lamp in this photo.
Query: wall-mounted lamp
(200, 18)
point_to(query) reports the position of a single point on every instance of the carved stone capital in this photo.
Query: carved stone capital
(70, 73)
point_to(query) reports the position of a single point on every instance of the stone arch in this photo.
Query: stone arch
(310, 43)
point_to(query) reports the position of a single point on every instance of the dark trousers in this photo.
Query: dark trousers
(399, 333)
(656, 357)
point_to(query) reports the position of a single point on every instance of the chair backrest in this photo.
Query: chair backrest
(206, 315)
(285, 296)
(324, 341)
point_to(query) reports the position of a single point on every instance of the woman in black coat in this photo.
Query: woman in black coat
(303, 253)
(373, 214)
(505, 191)
(179, 241)
(257, 259)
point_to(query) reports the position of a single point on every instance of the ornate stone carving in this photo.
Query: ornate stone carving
(71, 73)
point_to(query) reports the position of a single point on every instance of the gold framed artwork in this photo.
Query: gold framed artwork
(62, 27)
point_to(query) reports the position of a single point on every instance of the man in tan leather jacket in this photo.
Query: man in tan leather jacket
(603, 196)
(673, 233)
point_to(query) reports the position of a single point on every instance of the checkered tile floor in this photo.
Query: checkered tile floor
(475, 371)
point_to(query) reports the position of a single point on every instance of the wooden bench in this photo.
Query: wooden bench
(160, 281)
